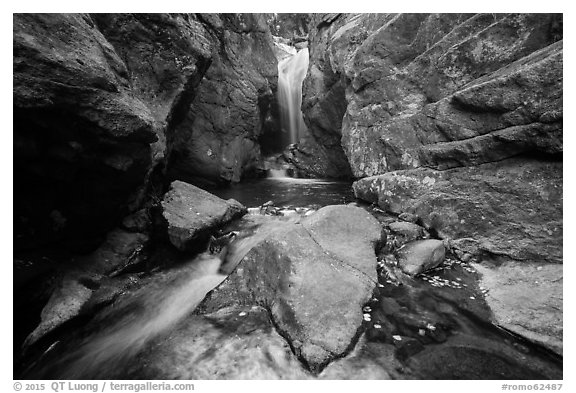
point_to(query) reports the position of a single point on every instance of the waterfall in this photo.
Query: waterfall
(291, 73)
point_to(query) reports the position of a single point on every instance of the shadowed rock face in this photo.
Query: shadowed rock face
(102, 102)
(93, 99)
(219, 137)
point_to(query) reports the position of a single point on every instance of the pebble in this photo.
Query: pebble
(430, 327)
(397, 338)
(367, 309)
(422, 332)
(472, 297)
(243, 313)
(377, 326)
(367, 317)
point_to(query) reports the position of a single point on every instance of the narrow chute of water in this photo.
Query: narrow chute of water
(291, 74)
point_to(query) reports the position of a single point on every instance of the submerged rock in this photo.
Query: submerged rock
(191, 213)
(421, 255)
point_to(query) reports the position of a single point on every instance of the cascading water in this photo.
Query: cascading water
(291, 74)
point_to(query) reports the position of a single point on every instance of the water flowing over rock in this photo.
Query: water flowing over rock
(447, 265)
(291, 73)
(191, 213)
(313, 277)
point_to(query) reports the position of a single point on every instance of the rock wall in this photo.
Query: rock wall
(401, 91)
(219, 137)
(456, 119)
(101, 103)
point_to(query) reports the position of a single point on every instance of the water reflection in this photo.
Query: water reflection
(288, 192)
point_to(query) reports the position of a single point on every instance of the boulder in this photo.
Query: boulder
(314, 278)
(511, 208)
(407, 230)
(75, 286)
(421, 255)
(93, 98)
(527, 299)
(64, 304)
(191, 213)
(230, 343)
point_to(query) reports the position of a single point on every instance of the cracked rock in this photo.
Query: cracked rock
(314, 277)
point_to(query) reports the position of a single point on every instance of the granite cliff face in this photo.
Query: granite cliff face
(411, 90)
(219, 137)
(101, 103)
(456, 119)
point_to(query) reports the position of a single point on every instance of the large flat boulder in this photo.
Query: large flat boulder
(191, 213)
(527, 298)
(511, 208)
(314, 278)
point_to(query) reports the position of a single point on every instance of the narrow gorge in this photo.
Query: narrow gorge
(288, 196)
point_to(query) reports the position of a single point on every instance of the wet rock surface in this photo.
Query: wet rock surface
(191, 213)
(509, 212)
(421, 255)
(73, 292)
(314, 278)
(404, 327)
(452, 122)
(218, 139)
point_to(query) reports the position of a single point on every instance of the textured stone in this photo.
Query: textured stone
(191, 213)
(218, 139)
(511, 208)
(400, 91)
(313, 277)
(421, 255)
(93, 98)
(526, 298)
(407, 230)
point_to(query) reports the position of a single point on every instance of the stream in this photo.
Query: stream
(458, 341)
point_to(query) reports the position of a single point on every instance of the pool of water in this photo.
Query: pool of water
(288, 192)
(434, 326)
